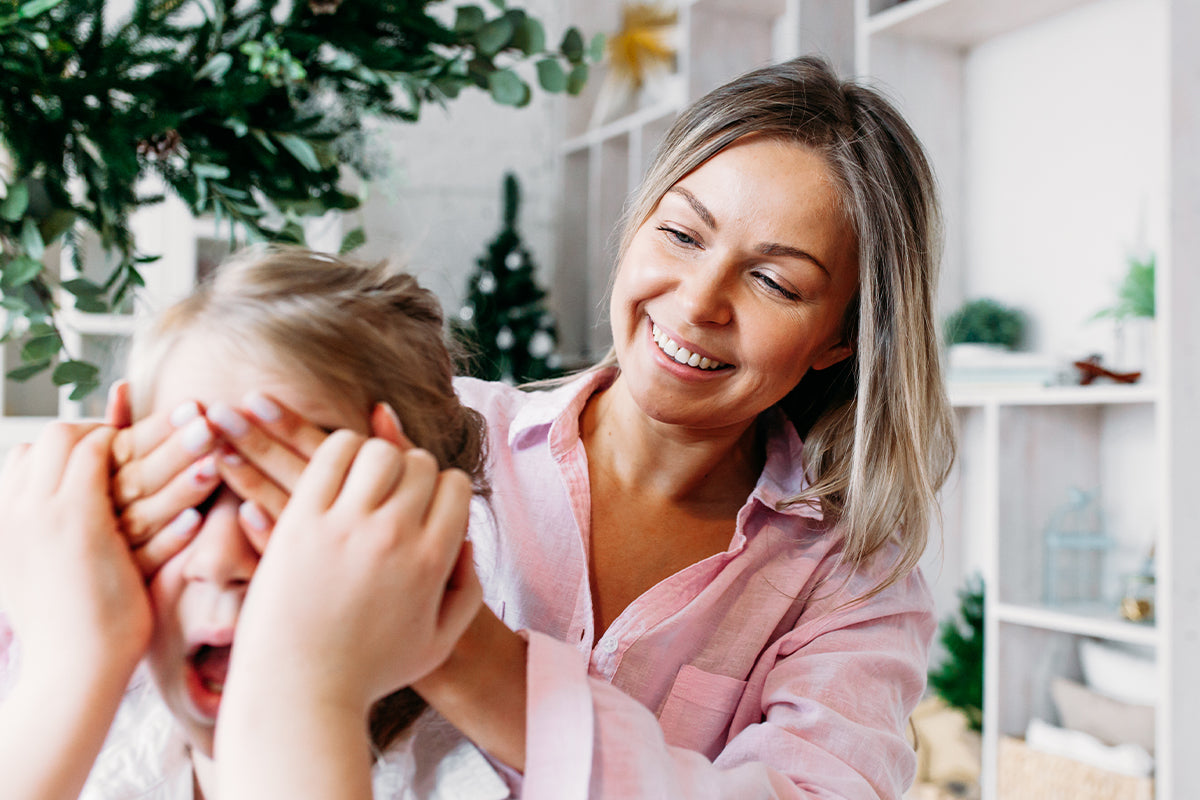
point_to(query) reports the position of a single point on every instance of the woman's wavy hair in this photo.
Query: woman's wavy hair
(877, 427)
(368, 334)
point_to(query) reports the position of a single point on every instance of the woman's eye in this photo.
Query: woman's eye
(677, 235)
(770, 283)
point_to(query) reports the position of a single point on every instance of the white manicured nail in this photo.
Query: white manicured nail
(229, 421)
(184, 524)
(205, 470)
(254, 516)
(263, 407)
(183, 413)
(197, 436)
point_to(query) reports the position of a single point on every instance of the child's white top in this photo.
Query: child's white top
(145, 756)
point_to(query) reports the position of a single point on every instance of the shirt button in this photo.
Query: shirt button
(608, 645)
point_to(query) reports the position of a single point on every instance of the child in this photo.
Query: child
(288, 329)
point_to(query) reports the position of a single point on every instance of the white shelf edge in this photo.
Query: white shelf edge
(1002, 395)
(621, 126)
(1063, 621)
(963, 23)
(99, 324)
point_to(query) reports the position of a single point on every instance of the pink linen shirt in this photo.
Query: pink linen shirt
(749, 674)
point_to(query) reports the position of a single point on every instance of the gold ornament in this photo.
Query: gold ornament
(642, 51)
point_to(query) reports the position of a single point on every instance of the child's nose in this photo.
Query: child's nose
(221, 553)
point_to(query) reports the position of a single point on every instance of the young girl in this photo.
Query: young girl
(278, 330)
(708, 542)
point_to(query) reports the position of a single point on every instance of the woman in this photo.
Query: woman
(708, 542)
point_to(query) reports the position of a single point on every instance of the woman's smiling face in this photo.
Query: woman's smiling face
(735, 286)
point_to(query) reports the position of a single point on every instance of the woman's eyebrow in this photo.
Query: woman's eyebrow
(700, 209)
(787, 251)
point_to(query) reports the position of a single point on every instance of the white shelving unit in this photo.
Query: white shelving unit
(1008, 93)
(1063, 134)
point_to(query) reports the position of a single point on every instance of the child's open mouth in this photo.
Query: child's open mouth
(207, 667)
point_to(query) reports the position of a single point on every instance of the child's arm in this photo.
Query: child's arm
(363, 588)
(77, 605)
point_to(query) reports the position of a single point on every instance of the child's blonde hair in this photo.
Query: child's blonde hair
(365, 333)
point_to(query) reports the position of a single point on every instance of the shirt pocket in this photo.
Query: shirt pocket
(699, 709)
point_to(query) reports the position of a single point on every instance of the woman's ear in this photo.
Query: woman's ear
(385, 423)
(835, 354)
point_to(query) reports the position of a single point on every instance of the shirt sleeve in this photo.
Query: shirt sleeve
(831, 722)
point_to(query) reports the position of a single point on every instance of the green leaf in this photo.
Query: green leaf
(352, 241)
(596, 48)
(577, 78)
(82, 390)
(35, 7)
(551, 75)
(75, 372)
(20, 271)
(301, 150)
(215, 172)
(507, 88)
(31, 239)
(494, 35)
(92, 305)
(572, 45)
(13, 207)
(468, 19)
(82, 287)
(216, 68)
(15, 304)
(27, 371)
(529, 36)
(40, 348)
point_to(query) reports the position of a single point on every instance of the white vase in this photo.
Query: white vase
(1136, 347)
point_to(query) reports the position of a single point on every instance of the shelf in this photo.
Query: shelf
(624, 125)
(1099, 621)
(963, 23)
(976, 395)
(99, 324)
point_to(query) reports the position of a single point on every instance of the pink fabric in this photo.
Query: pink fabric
(744, 675)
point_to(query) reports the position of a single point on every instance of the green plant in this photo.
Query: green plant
(1135, 295)
(985, 321)
(248, 111)
(959, 678)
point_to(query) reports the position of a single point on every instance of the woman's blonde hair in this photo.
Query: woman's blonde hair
(877, 428)
(368, 334)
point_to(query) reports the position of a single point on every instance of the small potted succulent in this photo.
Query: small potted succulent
(1133, 314)
(985, 322)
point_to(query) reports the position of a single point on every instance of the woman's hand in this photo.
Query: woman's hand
(72, 590)
(162, 468)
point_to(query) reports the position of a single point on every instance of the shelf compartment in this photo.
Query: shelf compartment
(975, 396)
(962, 23)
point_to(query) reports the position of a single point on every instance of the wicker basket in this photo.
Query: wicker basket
(1031, 775)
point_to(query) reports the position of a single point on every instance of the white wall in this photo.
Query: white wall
(440, 205)
(1093, 83)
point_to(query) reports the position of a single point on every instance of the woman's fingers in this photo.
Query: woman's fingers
(152, 453)
(145, 516)
(385, 423)
(251, 484)
(273, 438)
(167, 542)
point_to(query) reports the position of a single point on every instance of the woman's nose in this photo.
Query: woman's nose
(705, 292)
(221, 553)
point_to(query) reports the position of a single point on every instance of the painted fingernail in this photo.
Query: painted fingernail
(231, 458)
(391, 412)
(263, 407)
(197, 436)
(231, 423)
(183, 413)
(184, 524)
(254, 516)
(204, 470)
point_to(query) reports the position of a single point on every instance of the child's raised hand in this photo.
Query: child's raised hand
(365, 585)
(70, 586)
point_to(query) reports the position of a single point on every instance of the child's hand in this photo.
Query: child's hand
(365, 585)
(71, 588)
(163, 467)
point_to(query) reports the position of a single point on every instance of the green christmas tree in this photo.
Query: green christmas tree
(959, 679)
(504, 323)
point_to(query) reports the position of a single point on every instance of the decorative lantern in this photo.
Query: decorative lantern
(1076, 556)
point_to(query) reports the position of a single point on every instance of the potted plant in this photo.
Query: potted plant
(987, 322)
(1133, 315)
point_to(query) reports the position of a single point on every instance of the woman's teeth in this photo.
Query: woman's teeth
(680, 354)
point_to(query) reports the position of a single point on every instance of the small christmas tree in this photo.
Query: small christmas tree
(504, 323)
(959, 679)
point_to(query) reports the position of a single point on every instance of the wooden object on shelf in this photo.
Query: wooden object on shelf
(1027, 774)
